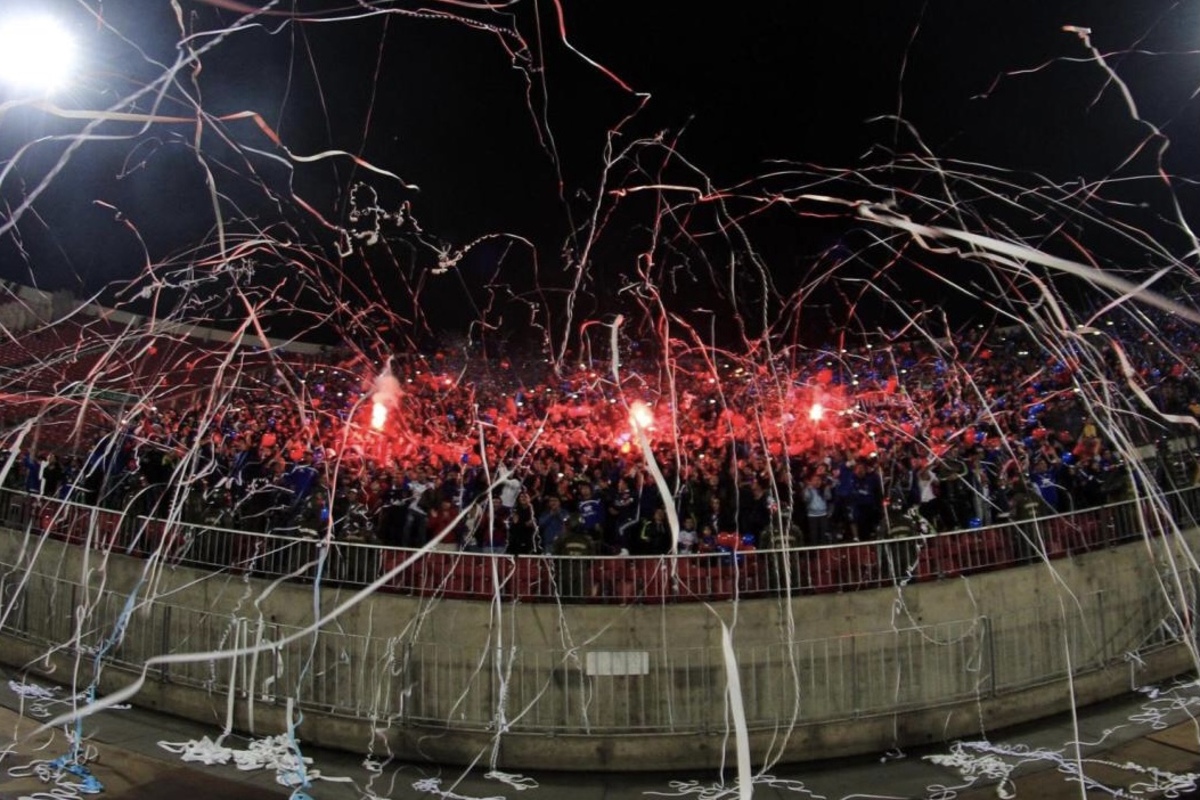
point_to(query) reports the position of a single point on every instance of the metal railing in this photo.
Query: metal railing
(706, 577)
(673, 687)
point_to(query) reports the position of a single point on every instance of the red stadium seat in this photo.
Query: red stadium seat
(655, 579)
(609, 576)
(862, 566)
(927, 562)
(459, 576)
(825, 569)
(692, 576)
(722, 582)
(951, 555)
(532, 579)
(1085, 532)
(996, 548)
(1055, 535)
(751, 575)
(406, 581)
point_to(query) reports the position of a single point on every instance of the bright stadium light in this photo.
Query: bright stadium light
(37, 54)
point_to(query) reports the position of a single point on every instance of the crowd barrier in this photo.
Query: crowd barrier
(465, 682)
(443, 679)
(703, 577)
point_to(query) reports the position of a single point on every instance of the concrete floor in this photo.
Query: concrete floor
(1127, 738)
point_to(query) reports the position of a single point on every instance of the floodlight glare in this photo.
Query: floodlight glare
(36, 53)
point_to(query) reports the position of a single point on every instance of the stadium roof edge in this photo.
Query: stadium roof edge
(51, 306)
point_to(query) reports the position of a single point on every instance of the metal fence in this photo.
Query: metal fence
(487, 685)
(704, 577)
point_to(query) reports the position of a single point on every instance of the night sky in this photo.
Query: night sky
(503, 127)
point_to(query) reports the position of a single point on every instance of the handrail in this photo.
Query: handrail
(704, 577)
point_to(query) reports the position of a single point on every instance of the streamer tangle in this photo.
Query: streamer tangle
(476, 278)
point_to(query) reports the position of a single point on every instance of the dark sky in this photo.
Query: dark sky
(503, 126)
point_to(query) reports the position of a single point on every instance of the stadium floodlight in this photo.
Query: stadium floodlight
(37, 54)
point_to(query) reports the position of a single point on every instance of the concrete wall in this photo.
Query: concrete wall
(448, 680)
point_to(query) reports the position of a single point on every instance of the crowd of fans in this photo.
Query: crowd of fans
(525, 459)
